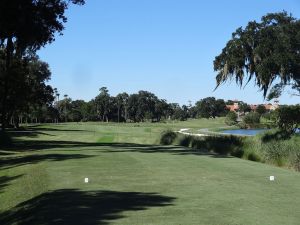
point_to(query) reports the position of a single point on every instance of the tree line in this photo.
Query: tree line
(137, 107)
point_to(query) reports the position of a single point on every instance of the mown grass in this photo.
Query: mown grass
(133, 180)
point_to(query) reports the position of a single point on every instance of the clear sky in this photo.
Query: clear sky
(163, 46)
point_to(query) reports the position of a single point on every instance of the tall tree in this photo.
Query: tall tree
(103, 103)
(267, 51)
(25, 27)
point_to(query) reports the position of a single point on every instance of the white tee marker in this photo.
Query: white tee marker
(272, 178)
(86, 180)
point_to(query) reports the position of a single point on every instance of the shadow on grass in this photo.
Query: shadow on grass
(27, 133)
(38, 128)
(72, 206)
(30, 145)
(14, 161)
(5, 181)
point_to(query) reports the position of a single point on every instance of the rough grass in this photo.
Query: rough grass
(135, 181)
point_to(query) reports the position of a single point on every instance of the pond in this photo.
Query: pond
(248, 132)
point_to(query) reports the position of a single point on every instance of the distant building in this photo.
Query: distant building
(269, 107)
(234, 107)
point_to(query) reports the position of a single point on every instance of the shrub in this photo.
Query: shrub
(168, 137)
(231, 118)
(296, 161)
(225, 145)
(252, 119)
(252, 156)
(277, 152)
(185, 141)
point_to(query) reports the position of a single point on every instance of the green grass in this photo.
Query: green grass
(135, 181)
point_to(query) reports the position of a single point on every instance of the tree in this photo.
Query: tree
(29, 90)
(267, 51)
(261, 109)
(122, 105)
(133, 107)
(231, 118)
(162, 109)
(288, 118)
(103, 103)
(251, 119)
(244, 107)
(25, 27)
(211, 108)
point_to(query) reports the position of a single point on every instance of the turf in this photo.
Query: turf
(135, 181)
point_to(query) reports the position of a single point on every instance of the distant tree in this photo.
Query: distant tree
(161, 109)
(244, 107)
(267, 51)
(261, 109)
(229, 102)
(103, 103)
(122, 106)
(211, 108)
(193, 112)
(133, 104)
(64, 107)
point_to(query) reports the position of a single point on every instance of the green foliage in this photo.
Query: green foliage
(168, 137)
(251, 120)
(185, 140)
(211, 108)
(224, 145)
(288, 118)
(266, 51)
(252, 156)
(244, 107)
(231, 118)
(272, 148)
(261, 109)
(25, 27)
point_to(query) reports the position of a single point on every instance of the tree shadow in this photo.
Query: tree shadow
(5, 180)
(37, 145)
(72, 206)
(14, 161)
(38, 128)
(171, 149)
(27, 133)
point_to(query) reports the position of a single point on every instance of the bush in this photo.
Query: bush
(231, 118)
(168, 137)
(276, 152)
(296, 161)
(252, 156)
(251, 120)
(185, 141)
(225, 145)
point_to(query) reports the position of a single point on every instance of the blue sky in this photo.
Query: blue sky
(163, 46)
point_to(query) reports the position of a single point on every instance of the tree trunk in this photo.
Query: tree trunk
(9, 52)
